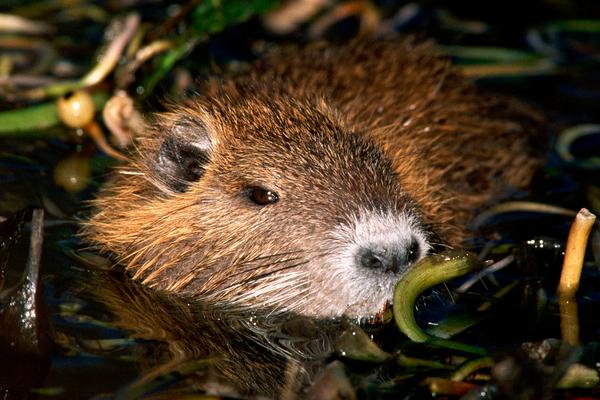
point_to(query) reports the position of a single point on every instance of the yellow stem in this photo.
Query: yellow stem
(569, 320)
(575, 252)
(571, 274)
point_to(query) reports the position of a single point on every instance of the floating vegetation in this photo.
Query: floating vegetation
(566, 141)
(481, 62)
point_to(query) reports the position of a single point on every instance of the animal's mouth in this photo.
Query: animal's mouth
(373, 252)
(353, 290)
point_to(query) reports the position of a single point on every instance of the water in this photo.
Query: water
(87, 331)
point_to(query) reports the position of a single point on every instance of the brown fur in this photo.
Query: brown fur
(380, 124)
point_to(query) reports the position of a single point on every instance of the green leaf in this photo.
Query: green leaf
(214, 16)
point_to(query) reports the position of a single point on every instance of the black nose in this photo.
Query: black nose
(390, 257)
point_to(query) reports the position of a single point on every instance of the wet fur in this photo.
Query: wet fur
(391, 124)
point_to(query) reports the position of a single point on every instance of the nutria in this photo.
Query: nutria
(311, 181)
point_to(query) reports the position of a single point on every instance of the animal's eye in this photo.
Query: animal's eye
(262, 196)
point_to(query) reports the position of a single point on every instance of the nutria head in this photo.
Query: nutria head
(264, 200)
(311, 181)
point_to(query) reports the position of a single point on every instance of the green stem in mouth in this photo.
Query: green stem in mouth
(427, 273)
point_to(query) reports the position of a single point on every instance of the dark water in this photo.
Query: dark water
(85, 331)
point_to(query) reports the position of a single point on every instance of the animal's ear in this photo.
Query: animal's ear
(184, 153)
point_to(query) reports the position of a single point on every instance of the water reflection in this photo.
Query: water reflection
(226, 352)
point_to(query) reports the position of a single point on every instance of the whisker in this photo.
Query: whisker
(289, 293)
(287, 287)
(267, 256)
(270, 273)
(251, 266)
(270, 256)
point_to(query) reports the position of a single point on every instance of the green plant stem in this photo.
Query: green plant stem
(37, 118)
(429, 272)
